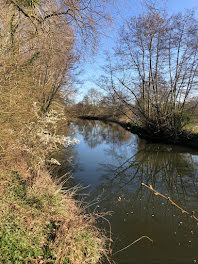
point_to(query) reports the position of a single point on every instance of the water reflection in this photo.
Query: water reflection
(95, 133)
(115, 163)
(172, 172)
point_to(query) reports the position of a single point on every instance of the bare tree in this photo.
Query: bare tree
(85, 17)
(39, 44)
(158, 68)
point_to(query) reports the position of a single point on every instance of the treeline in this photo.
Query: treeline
(153, 70)
(99, 104)
(40, 43)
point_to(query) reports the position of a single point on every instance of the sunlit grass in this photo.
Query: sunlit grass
(39, 224)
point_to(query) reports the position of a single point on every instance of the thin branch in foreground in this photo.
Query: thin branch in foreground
(134, 242)
(172, 202)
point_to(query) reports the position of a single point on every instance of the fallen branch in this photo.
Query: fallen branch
(172, 202)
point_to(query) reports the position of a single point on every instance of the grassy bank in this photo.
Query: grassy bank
(40, 224)
(39, 221)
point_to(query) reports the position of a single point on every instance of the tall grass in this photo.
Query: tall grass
(39, 222)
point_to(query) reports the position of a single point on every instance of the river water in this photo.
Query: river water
(112, 163)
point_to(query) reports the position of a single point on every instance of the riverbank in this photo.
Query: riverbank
(185, 138)
(40, 221)
(41, 224)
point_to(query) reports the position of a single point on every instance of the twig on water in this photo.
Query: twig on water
(140, 238)
(171, 201)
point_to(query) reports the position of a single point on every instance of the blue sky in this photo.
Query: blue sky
(180, 5)
(122, 10)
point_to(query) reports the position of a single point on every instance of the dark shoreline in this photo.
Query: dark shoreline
(184, 139)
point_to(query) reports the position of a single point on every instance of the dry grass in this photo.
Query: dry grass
(41, 224)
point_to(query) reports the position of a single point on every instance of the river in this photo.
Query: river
(112, 163)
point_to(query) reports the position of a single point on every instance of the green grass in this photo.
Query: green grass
(20, 241)
(88, 243)
(192, 126)
(43, 226)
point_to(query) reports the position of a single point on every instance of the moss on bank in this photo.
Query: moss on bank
(40, 224)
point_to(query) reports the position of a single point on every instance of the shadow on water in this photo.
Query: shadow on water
(115, 163)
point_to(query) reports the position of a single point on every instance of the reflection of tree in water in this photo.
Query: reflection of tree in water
(68, 158)
(137, 211)
(63, 173)
(168, 170)
(97, 132)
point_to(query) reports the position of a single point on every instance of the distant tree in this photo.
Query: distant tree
(94, 97)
